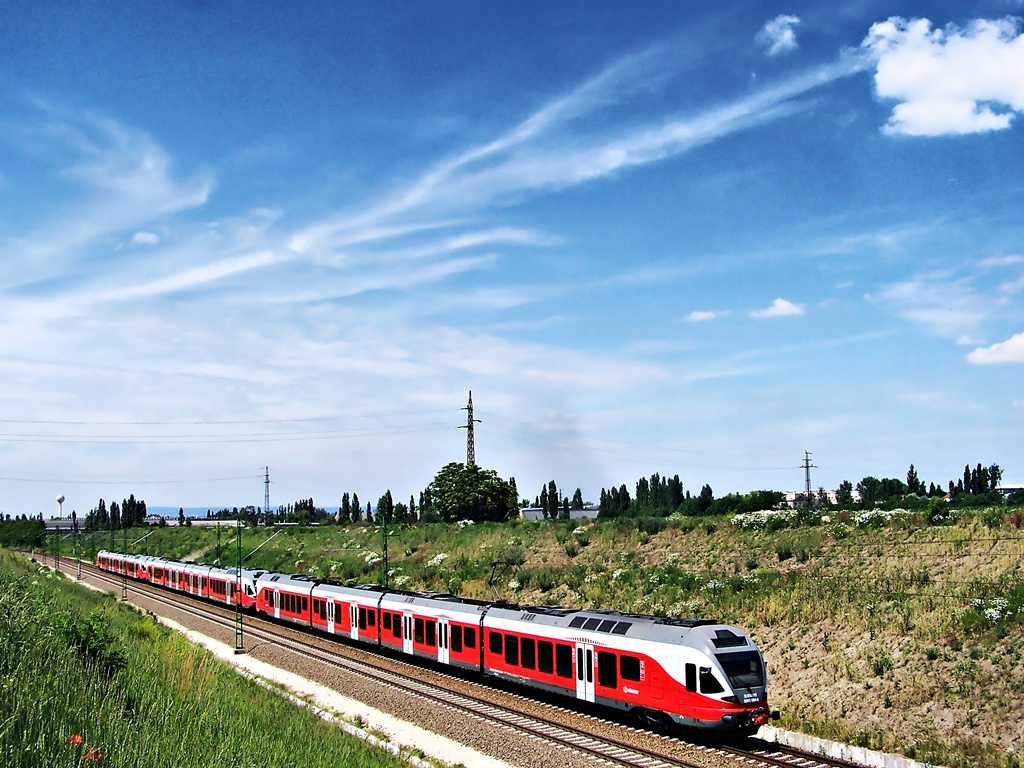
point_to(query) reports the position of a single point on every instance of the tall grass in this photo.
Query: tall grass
(74, 664)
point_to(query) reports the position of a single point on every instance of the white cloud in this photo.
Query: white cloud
(779, 308)
(951, 81)
(1009, 351)
(145, 238)
(778, 36)
(1002, 261)
(697, 316)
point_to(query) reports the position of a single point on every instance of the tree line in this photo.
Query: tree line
(469, 492)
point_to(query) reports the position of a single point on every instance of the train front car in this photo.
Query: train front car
(724, 685)
(689, 672)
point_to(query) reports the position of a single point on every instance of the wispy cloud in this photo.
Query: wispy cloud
(949, 307)
(778, 36)
(779, 308)
(120, 180)
(948, 81)
(544, 152)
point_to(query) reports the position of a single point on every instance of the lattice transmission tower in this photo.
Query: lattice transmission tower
(468, 426)
(807, 466)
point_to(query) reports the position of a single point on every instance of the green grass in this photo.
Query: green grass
(74, 662)
(865, 620)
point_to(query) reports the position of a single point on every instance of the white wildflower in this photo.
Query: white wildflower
(437, 559)
(513, 584)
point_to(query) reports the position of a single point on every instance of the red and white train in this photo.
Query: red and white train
(692, 672)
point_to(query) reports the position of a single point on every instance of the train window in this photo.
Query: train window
(590, 666)
(579, 663)
(431, 639)
(512, 650)
(527, 653)
(743, 669)
(592, 624)
(622, 628)
(469, 637)
(629, 668)
(417, 634)
(362, 618)
(708, 682)
(691, 678)
(386, 618)
(606, 626)
(577, 622)
(495, 641)
(545, 656)
(396, 626)
(563, 660)
(323, 610)
(305, 604)
(456, 638)
(337, 613)
(371, 617)
(606, 675)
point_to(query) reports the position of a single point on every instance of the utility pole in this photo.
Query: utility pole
(124, 570)
(470, 441)
(807, 476)
(239, 639)
(266, 492)
(78, 544)
(384, 553)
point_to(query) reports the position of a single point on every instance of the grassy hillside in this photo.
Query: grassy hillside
(879, 628)
(86, 680)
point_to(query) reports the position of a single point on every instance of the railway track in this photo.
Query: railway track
(660, 750)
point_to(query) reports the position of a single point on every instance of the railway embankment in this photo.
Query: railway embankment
(888, 630)
(86, 680)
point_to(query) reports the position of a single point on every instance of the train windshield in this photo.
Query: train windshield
(744, 670)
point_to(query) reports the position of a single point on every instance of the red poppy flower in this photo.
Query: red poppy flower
(77, 740)
(93, 755)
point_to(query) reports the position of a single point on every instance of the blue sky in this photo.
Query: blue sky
(662, 237)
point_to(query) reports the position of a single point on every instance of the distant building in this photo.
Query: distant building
(536, 513)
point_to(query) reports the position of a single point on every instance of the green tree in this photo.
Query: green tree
(345, 512)
(577, 499)
(386, 508)
(913, 482)
(467, 492)
(844, 494)
(705, 500)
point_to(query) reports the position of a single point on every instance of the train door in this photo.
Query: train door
(585, 671)
(277, 603)
(407, 632)
(330, 616)
(353, 616)
(442, 640)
